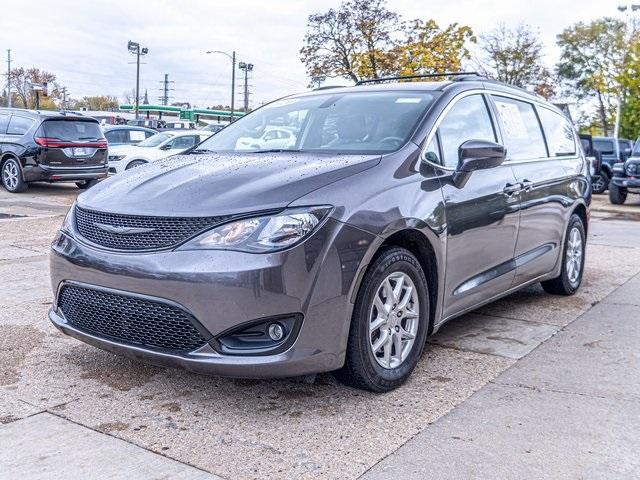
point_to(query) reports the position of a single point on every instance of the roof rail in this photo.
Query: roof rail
(327, 87)
(411, 77)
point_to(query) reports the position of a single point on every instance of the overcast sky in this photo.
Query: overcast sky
(85, 43)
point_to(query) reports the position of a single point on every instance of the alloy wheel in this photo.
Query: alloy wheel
(574, 256)
(10, 175)
(393, 320)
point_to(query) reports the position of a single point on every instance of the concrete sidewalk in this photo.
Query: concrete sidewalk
(570, 409)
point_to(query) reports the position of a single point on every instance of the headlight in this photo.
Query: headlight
(67, 223)
(632, 168)
(115, 158)
(262, 234)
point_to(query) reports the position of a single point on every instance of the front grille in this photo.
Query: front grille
(158, 233)
(131, 320)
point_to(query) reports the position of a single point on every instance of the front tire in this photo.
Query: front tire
(602, 183)
(570, 278)
(389, 325)
(12, 176)
(617, 195)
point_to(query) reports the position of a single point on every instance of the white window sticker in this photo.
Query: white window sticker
(136, 135)
(512, 121)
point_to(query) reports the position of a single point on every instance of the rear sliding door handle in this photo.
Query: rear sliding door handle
(512, 188)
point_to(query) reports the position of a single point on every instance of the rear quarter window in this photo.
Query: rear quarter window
(19, 125)
(559, 132)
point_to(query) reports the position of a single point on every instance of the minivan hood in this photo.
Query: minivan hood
(221, 184)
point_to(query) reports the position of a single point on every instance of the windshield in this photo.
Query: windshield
(72, 130)
(155, 140)
(359, 122)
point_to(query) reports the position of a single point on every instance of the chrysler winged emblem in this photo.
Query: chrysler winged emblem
(122, 230)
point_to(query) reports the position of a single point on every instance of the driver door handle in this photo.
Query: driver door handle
(512, 188)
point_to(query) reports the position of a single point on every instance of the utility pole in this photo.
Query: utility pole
(246, 68)
(9, 78)
(164, 99)
(233, 83)
(135, 49)
(231, 57)
(64, 98)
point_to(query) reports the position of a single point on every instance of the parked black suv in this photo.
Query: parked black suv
(50, 146)
(626, 178)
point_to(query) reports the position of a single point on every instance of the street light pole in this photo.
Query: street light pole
(9, 78)
(134, 48)
(231, 57)
(246, 67)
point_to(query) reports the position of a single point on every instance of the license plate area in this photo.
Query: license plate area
(79, 152)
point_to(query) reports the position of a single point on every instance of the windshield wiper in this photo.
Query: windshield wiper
(202, 150)
(274, 150)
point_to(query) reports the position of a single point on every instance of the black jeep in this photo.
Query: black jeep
(626, 178)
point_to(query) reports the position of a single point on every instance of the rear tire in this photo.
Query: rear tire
(12, 176)
(570, 278)
(389, 325)
(602, 183)
(617, 195)
(85, 184)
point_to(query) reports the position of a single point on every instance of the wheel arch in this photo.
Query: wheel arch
(423, 249)
(607, 168)
(581, 210)
(8, 155)
(135, 160)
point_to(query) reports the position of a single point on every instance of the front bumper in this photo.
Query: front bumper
(626, 182)
(224, 289)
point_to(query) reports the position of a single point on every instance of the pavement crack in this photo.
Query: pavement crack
(56, 414)
(556, 390)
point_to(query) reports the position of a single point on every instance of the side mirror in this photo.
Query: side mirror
(166, 147)
(477, 155)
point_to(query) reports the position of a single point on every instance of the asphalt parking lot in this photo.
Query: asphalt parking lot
(83, 404)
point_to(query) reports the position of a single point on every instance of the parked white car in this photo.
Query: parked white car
(272, 137)
(157, 147)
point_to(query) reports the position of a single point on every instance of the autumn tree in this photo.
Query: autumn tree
(98, 102)
(427, 48)
(515, 56)
(590, 64)
(629, 80)
(351, 41)
(364, 39)
(22, 80)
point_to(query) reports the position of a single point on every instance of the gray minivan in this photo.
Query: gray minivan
(399, 206)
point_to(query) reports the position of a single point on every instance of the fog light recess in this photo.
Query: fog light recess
(276, 331)
(260, 337)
